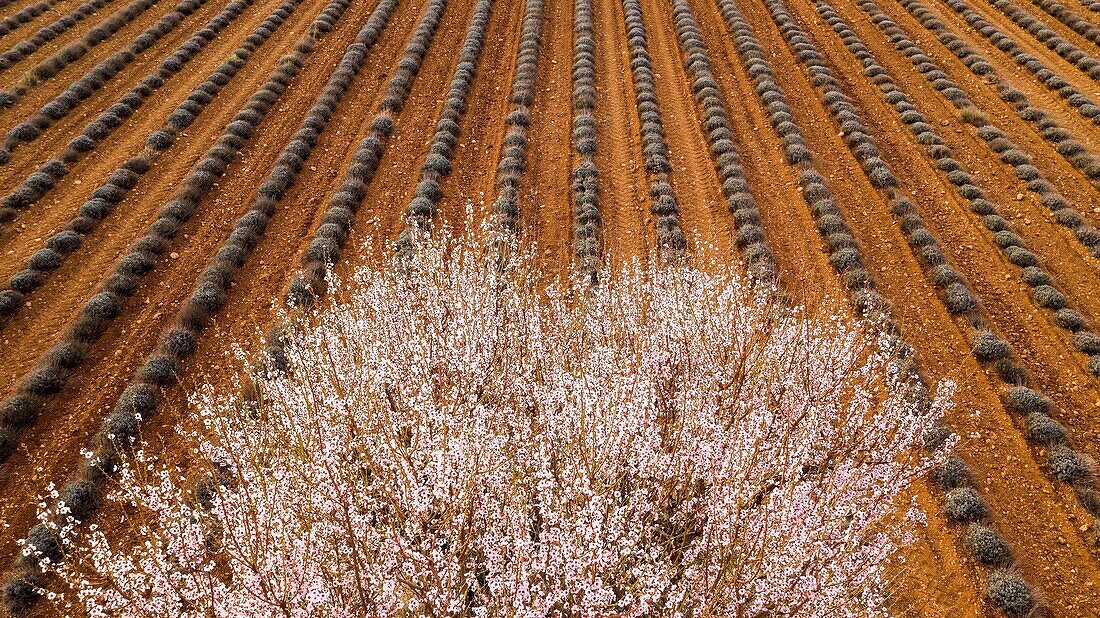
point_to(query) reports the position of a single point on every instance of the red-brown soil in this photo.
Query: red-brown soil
(1052, 535)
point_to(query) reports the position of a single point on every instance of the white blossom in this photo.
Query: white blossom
(452, 441)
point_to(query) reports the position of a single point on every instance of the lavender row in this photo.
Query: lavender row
(746, 213)
(1070, 19)
(987, 347)
(74, 51)
(664, 204)
(1090, 65)
(437, 164)
(1044, 291)
(48, 33)
(161, 368)
(82, 495)
(65, 242)
(1053, 82)
(963, 504)
(39, 182)
(330, 237)
(58, 364)
(585, 175)
(92, 81)
(1073, 151)
(25, 15)
(513, 160)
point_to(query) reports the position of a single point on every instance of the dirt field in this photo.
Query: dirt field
(1046, 514)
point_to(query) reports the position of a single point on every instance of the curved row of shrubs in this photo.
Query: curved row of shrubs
(65, 242)
(988, 348)
(25, 15)
(331, 236)
(727, 157)
(35, 124)
(1044, 292)
(40, 181)
(585, 176)
(74, 51)
(845, 256)
(663, 202)
(513, 159)
(1072, 54)
(55, 366)
(424, 205)
(1073, 151)
(1052, 81)
(138, 401)
(48, 33)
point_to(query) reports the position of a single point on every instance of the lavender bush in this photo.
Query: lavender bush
(451, 440)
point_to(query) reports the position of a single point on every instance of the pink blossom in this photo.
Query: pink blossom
(451, 440)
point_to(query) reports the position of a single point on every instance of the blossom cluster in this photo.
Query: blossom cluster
(451, 439)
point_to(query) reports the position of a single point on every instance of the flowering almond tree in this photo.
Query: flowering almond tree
(451, 441)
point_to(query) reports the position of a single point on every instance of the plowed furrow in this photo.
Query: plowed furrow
(1071, 181)
(382, 214)
(804, 270)
(70, 34)
(1062, 254)
(1029, 44)
(546, 214)
(704, 214)
(10, 8)
(936, 554)
(509, 161)
(1070, 44)
(14, 33)
(1038, 74)
(87, 219)
(1075, 21)
(23, 23)
(481, 131)
(53, 208)
(951, 238)
(154, 108)
(129, 75)
(260, 284)
(627, 228)
(75, 60)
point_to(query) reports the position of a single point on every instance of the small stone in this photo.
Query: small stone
(174, 255)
